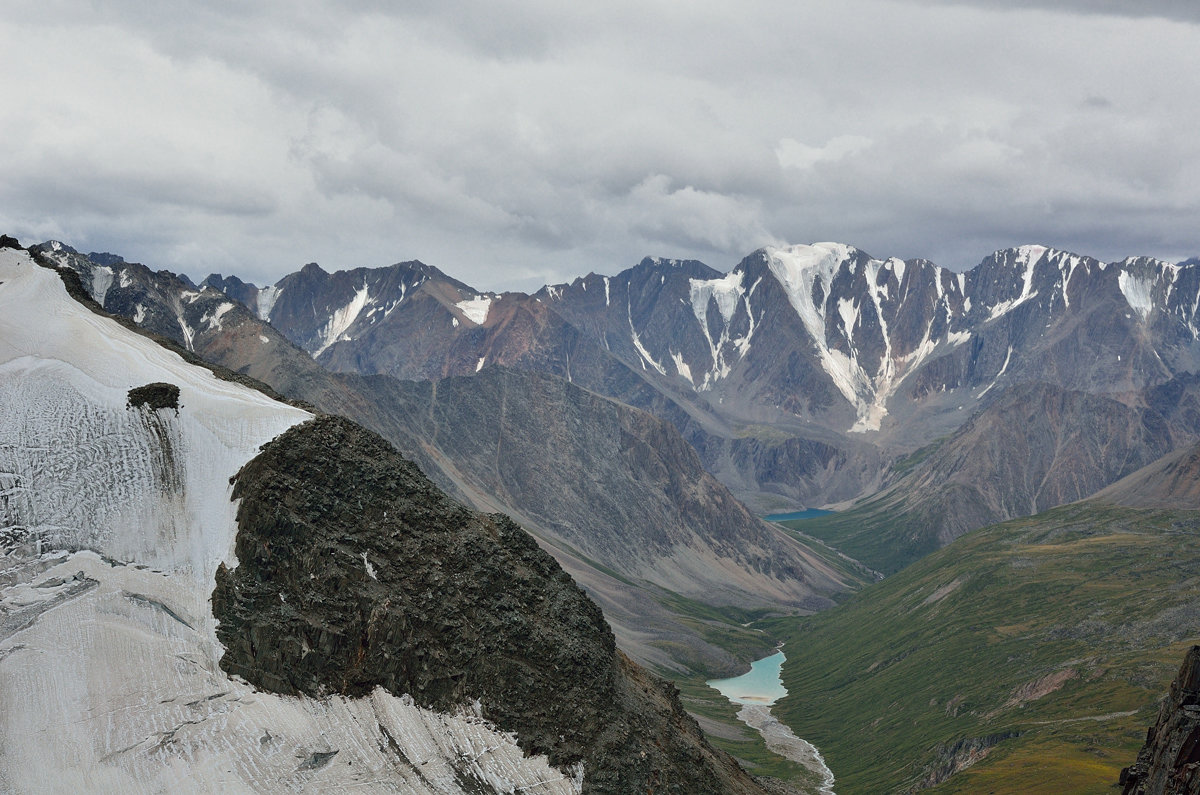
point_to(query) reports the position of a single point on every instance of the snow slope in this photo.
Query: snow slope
(112, 523)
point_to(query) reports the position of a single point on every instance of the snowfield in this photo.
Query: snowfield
(112, 523)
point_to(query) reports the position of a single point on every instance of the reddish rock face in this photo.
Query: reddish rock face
(1169, 762)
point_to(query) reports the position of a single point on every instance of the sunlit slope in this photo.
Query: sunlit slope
(1035, 649)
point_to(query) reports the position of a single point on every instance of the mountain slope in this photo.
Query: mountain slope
(1037, 446)
(1172, 482)
(1025, 657)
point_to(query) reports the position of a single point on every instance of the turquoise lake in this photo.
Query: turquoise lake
(787, 517)
(761, 685)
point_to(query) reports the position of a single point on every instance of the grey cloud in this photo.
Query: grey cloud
(530, 140)
(1179, 10)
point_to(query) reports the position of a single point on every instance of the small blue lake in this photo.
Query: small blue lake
(811, 513)
(761, 685)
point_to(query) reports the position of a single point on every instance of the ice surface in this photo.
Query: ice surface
(113, 689)
(267, 297)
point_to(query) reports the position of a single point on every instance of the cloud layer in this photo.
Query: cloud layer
(516, 143)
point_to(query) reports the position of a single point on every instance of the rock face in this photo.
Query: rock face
(1169, 762)
(355, 571)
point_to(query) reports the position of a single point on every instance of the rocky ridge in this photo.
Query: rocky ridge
(1169, 762)
(356, 572)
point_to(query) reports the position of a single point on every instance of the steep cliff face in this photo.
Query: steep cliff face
(356, 572)
(1169, 762)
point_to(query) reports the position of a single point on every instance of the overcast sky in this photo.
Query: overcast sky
(516, 143)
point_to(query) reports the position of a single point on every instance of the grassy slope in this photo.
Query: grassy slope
(727, 627)
(1102, 597)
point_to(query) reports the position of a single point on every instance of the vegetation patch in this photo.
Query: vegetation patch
(1061, 636)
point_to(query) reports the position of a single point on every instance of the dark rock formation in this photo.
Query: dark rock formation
(355, 572)
(158, 395)
(1169, 762)
(7, 241)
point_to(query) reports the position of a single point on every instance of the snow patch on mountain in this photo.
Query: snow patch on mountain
(214, 319)
(267, 297)
(806, 273)
(728, 293)
(102, 278)
(641, 349)
(476, 309)
(1138, 291)
(1027, 258)
(342, 319)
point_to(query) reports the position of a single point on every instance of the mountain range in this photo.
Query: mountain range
(636, 424)
(806, 374)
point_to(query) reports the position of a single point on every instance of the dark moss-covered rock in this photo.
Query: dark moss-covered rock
(1169, 762)
(356, 571)
(159, 395)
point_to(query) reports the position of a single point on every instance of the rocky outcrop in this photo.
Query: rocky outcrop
(356, 571)
(159, 395)
(1169, 762)
(955, 757)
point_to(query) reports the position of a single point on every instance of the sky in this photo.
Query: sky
(513, 144)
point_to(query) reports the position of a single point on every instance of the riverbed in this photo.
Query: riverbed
(756, 690)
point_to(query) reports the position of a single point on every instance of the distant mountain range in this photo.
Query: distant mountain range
(800, 377)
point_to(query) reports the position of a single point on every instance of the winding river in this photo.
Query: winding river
(756, 690)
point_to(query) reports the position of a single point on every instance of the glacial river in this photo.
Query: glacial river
(756, 691)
